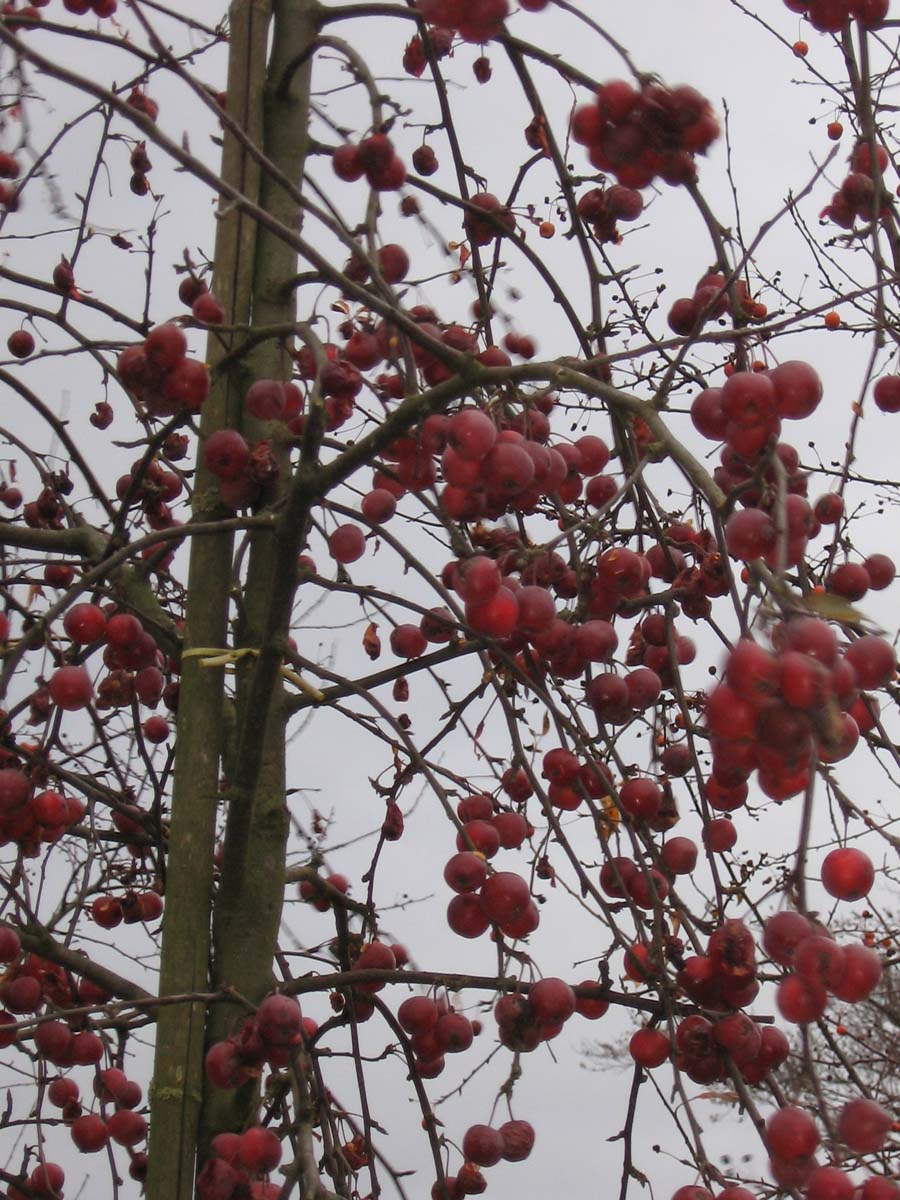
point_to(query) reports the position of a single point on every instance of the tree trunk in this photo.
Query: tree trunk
(180, 1037)
(251, 893)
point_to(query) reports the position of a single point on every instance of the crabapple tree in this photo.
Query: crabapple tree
(448, 597)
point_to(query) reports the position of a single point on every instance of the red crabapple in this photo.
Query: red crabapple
(649, 1048)
(347, 544)
(483, 1145)
(20, 343)
(518, 1140)
(791, 1133)
(89, 1133)
(847, 874)
(864, 1125)
(71, 688)
(259, 1150)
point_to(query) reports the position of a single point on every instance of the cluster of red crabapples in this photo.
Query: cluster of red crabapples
(393, 266)
(270, 1036)
(79, 8)
(711, 299)
(524, 1021)
(484, 1146)
(601, 208)
(315, 894)
(91, 1132)
(830, 16)
(474, 20)
(488, 471)
(29, 818)
(47, 510)
(31, 12)
(724, 981)
(816, 965)
(29, 983)
(792, 1139)
(140, 167)
(245, 469)
(639, 134)
(130, 654)
(277, 1029)
(204, 306)
(374, 157)
(153, 486)
(239, 1166)
(415, 57)
(508, 590)
(110, 911)
(856, 197)
(434, 1030)
(776, 712)
(721, 981)
(502, 898)
(746, 413)
(161, 377)
(777, 522)
(492, 219)
(514, 478)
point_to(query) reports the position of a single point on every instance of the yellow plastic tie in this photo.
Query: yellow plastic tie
(212, 656)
